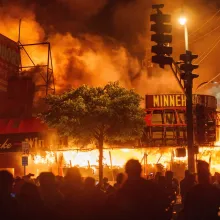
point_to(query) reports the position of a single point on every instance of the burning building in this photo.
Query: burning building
(163, 145)
(17, 91)
(166, 120)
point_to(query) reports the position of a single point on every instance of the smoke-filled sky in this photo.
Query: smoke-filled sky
(97, 41)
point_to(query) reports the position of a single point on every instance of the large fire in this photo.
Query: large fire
(116, 158)
(76, 60)
(88, 58)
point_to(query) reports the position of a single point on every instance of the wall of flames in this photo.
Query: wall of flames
(116, 159)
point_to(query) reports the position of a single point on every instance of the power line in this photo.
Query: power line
(209, 81)
(202, 54)
(192, 33)
(199, 38)
(214, 46)
(205, 34)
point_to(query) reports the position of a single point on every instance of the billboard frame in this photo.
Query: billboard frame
(49, 84)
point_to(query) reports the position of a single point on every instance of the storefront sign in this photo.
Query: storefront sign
(5, 145)
(178, 100)
(168, 100)
(35, 142)
(21, 143)
(9, 60)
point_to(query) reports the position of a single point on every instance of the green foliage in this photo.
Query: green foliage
(110, 113)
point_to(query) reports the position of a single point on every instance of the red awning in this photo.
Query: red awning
(3, 125)
(16, 126)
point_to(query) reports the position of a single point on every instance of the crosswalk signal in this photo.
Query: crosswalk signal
(162, 37)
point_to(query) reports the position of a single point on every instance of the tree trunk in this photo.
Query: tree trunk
(101, 162)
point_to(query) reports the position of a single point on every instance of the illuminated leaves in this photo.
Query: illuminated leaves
(111, 113)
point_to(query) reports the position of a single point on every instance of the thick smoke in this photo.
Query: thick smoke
(97, 41)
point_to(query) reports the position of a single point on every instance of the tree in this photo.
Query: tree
(97, 114)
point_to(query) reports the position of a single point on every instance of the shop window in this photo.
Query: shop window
(157, 117)
(169, 117)
(181, 116)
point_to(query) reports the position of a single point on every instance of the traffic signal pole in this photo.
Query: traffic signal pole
(188, 84)
(187, 67)
(163, 51)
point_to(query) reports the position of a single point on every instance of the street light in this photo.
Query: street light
(183, 22)
(205, 83)
(188, 77)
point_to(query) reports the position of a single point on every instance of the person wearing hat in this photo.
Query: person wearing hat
(203, 200)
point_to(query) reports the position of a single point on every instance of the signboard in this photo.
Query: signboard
(25, 147)
(24, 160)
(5, 145)
(178, 100)
(174, 100)
(9, 60)
(21, 142)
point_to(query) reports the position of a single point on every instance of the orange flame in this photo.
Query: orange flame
(120, 156)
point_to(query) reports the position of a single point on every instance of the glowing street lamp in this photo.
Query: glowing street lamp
(208, 82)
(183, 22)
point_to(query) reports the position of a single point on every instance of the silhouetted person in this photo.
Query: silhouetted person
(8, 204)
(18, 183)
(93, 199)
(139, 198)
(31, 204)
(59, 182)
(184, 185)
(72, 183)
(217, 180)
(89, 184)
(162, 183)
(157, 176)
(73, 193)
(107, 188)
(203, 200)
(119, 181)
(50, 194)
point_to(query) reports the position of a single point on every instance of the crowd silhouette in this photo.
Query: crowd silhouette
(131, 197)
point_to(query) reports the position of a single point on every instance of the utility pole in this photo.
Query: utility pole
(187, 76)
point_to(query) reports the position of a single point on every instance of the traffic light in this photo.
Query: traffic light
(162, 37)
(200, 124)
(186, 66)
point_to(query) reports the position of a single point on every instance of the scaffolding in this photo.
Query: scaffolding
(166, 126)
(47, 78)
